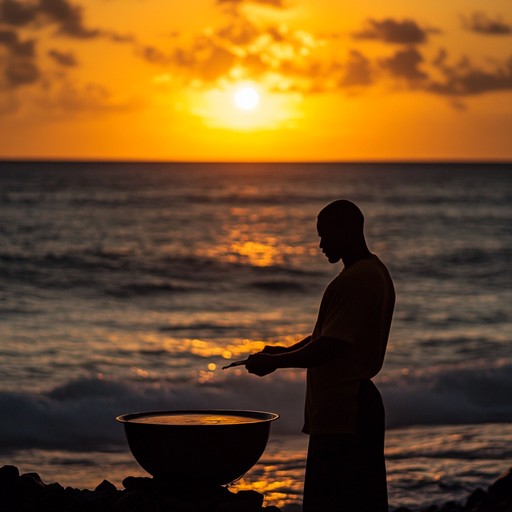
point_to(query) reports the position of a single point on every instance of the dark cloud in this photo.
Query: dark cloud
(153, 55)
(68, 17)
(21, 72)
(66, 59)
(357, 71)
(18, 66)
(119, 38)
(441, 57)
(405, 65)
(15, 47)
(393, 31)
(480, 23)
(16, 13)
(464, 79)
(67, 98)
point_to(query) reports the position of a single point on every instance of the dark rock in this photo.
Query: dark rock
(8, 475)
(133, 483)
(28, 493)
(86, 495)
(451, 506)
(231, 506)
(133, 501)
(54, 488)
(35, 477)
(475, 500)
(106, 489)
(55, 502)
(502, 487)
(30, 484)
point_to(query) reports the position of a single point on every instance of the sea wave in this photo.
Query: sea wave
(80, 414)
(123, 275)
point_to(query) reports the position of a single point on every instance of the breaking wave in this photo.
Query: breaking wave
(81, 414)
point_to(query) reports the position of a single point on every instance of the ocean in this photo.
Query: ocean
(126, 287)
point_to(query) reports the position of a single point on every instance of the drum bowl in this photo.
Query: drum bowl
(198, 454)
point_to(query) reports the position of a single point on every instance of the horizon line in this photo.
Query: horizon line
(419, 161)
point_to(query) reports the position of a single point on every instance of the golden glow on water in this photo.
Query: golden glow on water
(204, 357)
(279, 474)
(194, 419)
(257, 254)
(262, 253)
(208, 349)
(273, 488)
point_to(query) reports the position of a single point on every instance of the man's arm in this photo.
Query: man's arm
(278, 349)
(308, 355)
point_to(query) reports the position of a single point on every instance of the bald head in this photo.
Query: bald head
(342, 214)
(340, 228)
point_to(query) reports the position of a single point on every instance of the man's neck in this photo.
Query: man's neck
(361, 254)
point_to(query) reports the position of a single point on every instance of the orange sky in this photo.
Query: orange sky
(338, 80)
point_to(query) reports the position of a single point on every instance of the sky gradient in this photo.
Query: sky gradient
(337, 80)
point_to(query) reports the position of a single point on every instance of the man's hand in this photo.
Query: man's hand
(261, 364)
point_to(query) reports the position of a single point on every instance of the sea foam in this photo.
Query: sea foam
(81, 413)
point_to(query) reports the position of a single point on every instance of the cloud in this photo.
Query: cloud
(66, 59)
(288, 60)
(392, 31)
(405, 65)
(21, 72)
(153, 55)
(239, 48)
(68, 98)
(66, 16)
(464, 79)
(480, 23)
(203, 59)
(10, 40)
(240, 31)
(19, 66)
(69, 18)
(15, 13)
(357, 71)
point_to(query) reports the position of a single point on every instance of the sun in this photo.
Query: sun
(244, 106)
(246, 98)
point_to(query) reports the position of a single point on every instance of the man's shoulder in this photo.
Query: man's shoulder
(366, 274)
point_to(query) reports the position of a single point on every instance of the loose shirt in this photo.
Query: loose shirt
(357, 307)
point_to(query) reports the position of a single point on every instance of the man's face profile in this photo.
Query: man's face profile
(331, 240)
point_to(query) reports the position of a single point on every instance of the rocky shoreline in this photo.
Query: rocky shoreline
(28, 493)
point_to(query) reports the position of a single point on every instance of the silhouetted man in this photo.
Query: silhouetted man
(344, 415)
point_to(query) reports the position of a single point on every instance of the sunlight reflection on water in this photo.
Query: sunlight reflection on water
(426, 465)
